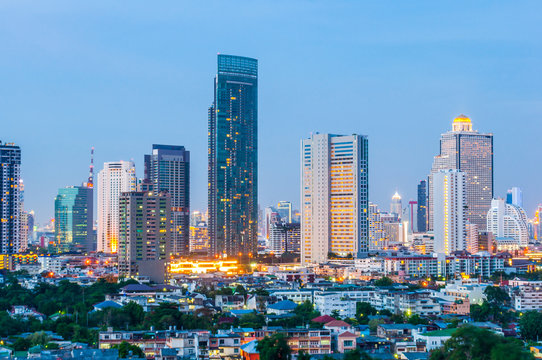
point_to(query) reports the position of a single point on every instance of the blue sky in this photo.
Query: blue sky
(121, 76)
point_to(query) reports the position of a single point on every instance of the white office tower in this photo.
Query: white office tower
(396, 206)
(334, 197)
(449, 211)
(508, 221)
(115, 178)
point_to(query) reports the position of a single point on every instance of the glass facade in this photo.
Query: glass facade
(422, 206)
(233, 158)
(73, 219)
(168, 169)
(472, 153)
(10, 208)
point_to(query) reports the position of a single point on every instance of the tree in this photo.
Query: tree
(303, 356)
(373, 324)
(274, 348)
(21, 344)
(126, 349)
(417, 320)
(240, 290)
(496, 296)
(530, 324)
(469, 342)
(364, 309)
(383, 281)
(356, 355)
(335, 314)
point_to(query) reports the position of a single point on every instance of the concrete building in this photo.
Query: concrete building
(115, 178)
(449, 211)
(285, 238)
(508, 221)
(167, 168)
(514, 196)
(145, 241)
(334, 196)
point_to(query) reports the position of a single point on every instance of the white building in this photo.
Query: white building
(527, 296)
(115, 178)
(449, 203)
(508, 221)
(327, 303)
(334, 196)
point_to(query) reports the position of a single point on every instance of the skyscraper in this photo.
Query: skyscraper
(145, 241)
(508, 221)
(377, 235)
(449, 195)
(422, 206)
(233, 158)
(168, 169)
(514, 196)
(471, 152)
(396, 206)
(115, 178)
(73, 219)
(284, 208)
(334, 196)
(10, 207)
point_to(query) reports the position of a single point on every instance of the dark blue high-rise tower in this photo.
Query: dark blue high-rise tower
(422, 206)
(233, 158)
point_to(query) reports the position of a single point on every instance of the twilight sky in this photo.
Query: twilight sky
(123, 75)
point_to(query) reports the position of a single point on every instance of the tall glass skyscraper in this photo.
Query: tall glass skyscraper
(233, 158)
(168, 169)
(73, 219)
(422, 206)
(471, 152)
(10, 207)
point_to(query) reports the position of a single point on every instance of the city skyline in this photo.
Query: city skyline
(462, 59)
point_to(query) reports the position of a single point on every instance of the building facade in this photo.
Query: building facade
(471, 152)
(233, 158)
(11, 241)
(285, 237)
(74, 219)
(334, 196)
(506, 220)
(422, 206)
(115, 178)
(449, 201)
(145, 239)
(168, 169)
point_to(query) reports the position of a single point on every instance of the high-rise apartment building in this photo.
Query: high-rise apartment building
(285, 237)
(422, 206)
(74, 218)
(284, 208)
(145, 239)
(10, 207)
(449, 200)
(115, 178)
(334, 196)
(199, 238)
(508, 221)
(168, 169)
(233, 158)
(377, 235)
(471, 152)
(514, 196)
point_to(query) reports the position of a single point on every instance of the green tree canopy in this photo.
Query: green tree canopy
(274, 347)
(469, 342)
(530, 324)
(383, 281)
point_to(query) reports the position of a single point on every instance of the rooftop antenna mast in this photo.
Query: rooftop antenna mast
(90, 182)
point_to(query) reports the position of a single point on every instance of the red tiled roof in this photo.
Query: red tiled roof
(347, 334)
(323, 319)
(337, 323)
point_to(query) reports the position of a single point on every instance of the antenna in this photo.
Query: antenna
(90, 182)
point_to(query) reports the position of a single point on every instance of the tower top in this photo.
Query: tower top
(462, 123)
(396, 196)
